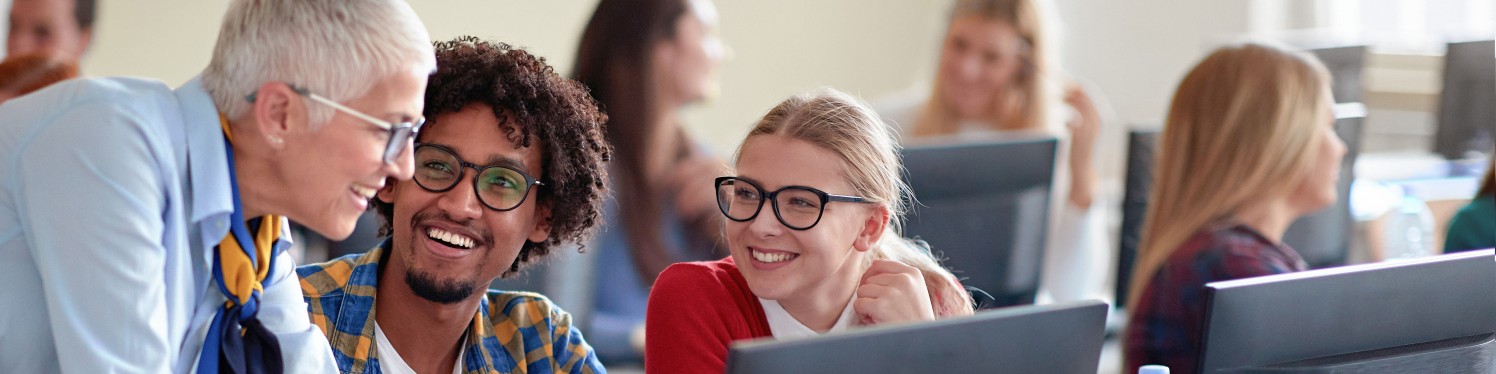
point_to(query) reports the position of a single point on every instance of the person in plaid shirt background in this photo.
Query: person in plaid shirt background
(532, 145)
(1248, 147)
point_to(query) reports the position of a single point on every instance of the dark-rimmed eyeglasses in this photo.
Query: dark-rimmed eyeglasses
(498, 187)
(797, 207)
(400, 134)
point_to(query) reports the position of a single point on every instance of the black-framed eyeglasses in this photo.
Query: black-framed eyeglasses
(498, 187)
(797, 207)
(400, 134)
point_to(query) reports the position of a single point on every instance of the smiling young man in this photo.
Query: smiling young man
(509, 167)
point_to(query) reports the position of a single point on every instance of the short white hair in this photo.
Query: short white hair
(335, 48)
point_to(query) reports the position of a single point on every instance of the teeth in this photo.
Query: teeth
(366, 192)
(450, 238)
(771, 257)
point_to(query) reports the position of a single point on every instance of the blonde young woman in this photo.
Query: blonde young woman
(997, 75)
(813, 248)
(1249, 145)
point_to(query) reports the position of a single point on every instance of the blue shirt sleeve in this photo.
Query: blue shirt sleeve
(94, 200)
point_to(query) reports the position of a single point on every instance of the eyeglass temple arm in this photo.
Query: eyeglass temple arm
(844, 198)
(325, 101)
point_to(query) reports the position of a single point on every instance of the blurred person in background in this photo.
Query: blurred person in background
(646, 60)
(1248, 147)
(20, 75)
(61, 29)
(998, 74)
(1474, 226)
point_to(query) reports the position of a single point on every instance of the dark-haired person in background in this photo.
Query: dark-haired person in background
(56, 28)
(510, 166)
(644, 61)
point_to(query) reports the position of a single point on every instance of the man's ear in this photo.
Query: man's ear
(872, 229)
(86, 44)
(542, 223)
(278, 113)
(386, 194)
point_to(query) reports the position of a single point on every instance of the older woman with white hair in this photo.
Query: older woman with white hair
(142, 228)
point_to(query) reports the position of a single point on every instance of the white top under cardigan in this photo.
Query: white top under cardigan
(785, 326)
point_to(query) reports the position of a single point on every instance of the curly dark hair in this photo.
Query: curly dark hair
(532, 103)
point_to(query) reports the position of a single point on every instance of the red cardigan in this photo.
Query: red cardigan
(696, 310)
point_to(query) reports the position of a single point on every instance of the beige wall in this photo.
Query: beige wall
(1132, 51)
(781, 46)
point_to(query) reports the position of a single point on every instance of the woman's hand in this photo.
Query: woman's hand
(1084, 129)
(892, 292)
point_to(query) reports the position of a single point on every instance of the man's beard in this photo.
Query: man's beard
(444, 292)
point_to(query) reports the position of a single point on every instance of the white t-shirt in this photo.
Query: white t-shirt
(785, 326)
(390, 361)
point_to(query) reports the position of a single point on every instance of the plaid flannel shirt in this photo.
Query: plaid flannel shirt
(1166, 325)
(512, 332)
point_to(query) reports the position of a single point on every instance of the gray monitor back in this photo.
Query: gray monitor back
(984, 208)
(1051, 339)
(1292, 317)
(1346, 65)
(1467, 117)
(1142, 144)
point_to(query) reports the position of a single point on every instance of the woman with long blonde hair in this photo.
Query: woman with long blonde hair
(1249, 146)
(997, 74)
(995, 67)
(813, 211)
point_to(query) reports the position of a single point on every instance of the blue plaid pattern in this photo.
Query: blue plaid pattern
(512, 332)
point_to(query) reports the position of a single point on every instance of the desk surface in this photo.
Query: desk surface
(1415, 165)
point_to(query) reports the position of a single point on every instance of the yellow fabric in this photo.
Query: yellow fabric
(223, 121)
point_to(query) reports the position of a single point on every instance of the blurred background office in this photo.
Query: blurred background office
(1132, 51)
(1424, 141)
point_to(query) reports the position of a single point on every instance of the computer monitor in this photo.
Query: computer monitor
(1467, 118)
(984, 208)
(1142, 144)
(1323, 238)
(1055, 338)
(1346, 64)
(1429, 315)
